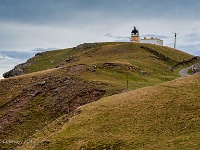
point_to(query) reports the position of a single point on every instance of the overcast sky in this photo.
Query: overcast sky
(29, 26)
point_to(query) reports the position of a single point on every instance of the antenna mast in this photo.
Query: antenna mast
(175, 34)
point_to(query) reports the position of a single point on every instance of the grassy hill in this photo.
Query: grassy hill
(165, 116)
(127, 53)
(55, 83)
(114, 63)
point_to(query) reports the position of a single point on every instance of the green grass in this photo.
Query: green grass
(115, 63)
(52, 59)
(121, 54)
(174, 54)
(107, 52)
(190, 71)
(166, 116)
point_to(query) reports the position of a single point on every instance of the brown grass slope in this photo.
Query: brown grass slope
(165, 116)
(30, 102)
(57, 82)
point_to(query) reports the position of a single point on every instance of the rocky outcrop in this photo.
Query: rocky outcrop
(86, 45)
(185, 62)
(195, 68)
(159, 55)
(21, 68)
(18, 70)
(119, 66)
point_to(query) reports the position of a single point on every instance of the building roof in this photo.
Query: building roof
(151, 39)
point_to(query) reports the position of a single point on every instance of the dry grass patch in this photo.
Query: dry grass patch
(166, 116)
(141, 118)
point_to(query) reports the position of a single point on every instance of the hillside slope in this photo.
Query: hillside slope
(166, 116)
(30, 103)
(112, 63)
(95, 53)
(55, 83)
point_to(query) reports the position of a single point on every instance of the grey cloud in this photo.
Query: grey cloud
(79, 11)
(16, 54)
(7, 63)
(26, 25)
(9, 59)
(121, 37)
(109, 35)
(156, 36)
(22, 55)
(192, 37)
(43, 49)
(116, 37)
(191, 49)
(31, 11)
(23, 37)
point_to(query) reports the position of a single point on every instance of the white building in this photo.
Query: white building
(136, 38)
(152, 40)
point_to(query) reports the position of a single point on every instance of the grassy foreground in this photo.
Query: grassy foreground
(165, 116)
(40, 103)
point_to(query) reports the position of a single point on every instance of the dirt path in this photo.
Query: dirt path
(184, 72)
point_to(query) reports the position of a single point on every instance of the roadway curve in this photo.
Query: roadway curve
(184, 72)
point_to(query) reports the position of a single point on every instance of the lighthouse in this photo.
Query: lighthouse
(135, 36)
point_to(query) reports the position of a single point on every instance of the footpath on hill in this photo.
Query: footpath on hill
(184, 71)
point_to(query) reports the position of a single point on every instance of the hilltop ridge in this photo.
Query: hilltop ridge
(72, 56)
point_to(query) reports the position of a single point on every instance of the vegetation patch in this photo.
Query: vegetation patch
(154, 117)
(41, 105)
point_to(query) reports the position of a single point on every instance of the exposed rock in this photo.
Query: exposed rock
(86, 45)
(196, 68)
(144, 72)
(158, 55)
(70, 59)
(13, 72)
(185, 62)
(25, 114)
(39, 54)
(18, 70)
(78, 68)
(118, 66)
(41, 83)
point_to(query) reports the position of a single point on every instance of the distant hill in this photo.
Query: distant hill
(52, 85)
